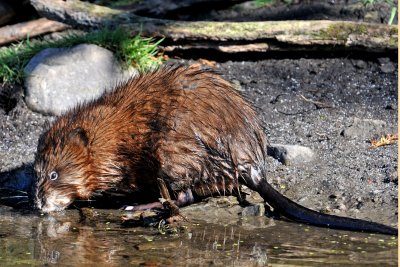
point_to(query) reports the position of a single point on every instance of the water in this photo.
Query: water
(69, 239)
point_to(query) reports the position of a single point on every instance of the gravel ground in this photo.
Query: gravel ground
(345, 178)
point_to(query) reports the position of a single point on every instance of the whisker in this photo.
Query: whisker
(14, 190)
(23, 201)
(1, 198)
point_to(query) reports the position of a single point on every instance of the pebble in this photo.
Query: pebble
(342, 207)
(360, 64)
(290, 154)
(387, 68)
(386, 65)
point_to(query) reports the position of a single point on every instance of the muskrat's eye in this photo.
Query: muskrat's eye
(53, 175)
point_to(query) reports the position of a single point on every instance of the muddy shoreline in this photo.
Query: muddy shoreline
(345, 178)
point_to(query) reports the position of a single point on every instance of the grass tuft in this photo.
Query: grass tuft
(136, 51)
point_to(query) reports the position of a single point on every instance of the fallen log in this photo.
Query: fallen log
(32, 28)
(166, 8)
(338, 35)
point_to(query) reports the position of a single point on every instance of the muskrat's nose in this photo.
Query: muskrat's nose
(36, 204)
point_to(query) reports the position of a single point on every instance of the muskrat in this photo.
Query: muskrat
(185, 126)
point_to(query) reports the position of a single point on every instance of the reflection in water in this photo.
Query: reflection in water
(65, 239)
(67, 242)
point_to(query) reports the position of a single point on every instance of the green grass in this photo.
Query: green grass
(392, 15)
(117, 3)
(134, 51)
(262, 3)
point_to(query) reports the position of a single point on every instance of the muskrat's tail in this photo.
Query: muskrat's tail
(298, 213)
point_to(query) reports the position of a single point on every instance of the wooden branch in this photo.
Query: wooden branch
(340, 35)
(32, 28)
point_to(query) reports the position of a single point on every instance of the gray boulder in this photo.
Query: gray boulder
(59, 78)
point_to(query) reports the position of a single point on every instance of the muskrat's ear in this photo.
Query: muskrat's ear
(41, 143)
(79, 137)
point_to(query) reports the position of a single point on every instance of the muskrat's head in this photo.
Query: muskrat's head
(62, 167)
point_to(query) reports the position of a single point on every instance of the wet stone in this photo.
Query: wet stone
(254, 210)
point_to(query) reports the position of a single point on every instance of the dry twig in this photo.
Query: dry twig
(384, 141)
(318, 104)
(32, 28)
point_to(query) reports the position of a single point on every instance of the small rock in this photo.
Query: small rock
(290, 154)
(342, 207)
(359, 64)
(335, 211)
(254, 210)
(236, 85)
(364, 129)
(387, 67)
(59, 78)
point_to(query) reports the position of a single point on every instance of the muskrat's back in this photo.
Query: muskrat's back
(186, 126)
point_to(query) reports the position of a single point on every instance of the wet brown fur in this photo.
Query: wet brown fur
(182, 128)
(186, 126)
